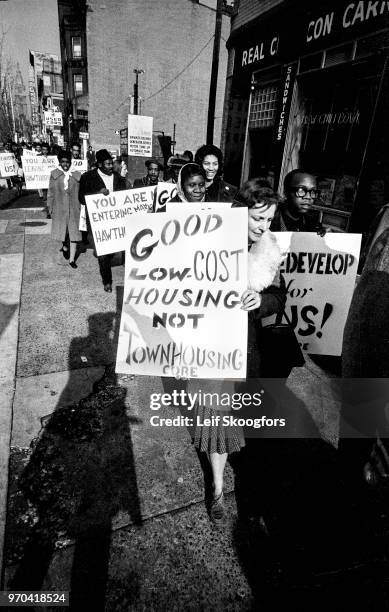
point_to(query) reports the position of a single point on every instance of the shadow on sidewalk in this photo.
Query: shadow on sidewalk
(80, 474)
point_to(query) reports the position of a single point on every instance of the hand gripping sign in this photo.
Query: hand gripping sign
(320, 277)
(185, 273)
(110, 216)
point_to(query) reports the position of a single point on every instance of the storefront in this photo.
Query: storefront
(312, 86)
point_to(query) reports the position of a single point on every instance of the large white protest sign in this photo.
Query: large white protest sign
(79, 165)
(37, 170)
(140, 135)
(111, 215)
(184, 277)
(320, 277)
(163, 193)
(8, 165)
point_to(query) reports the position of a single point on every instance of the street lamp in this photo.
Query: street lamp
(137, 72)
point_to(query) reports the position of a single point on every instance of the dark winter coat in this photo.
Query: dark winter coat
(64, 206)
(91, 183)
(220, 191)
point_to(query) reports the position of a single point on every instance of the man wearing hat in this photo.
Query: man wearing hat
(152, 177)
(175, 163)
(102, 180)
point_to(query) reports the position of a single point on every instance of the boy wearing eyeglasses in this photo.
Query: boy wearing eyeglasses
(296, 214)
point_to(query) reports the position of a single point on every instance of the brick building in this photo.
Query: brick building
(72, 27)
(172, 41)
(307, 86)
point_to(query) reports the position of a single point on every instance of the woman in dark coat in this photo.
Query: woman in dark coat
(64, 206)
(210, 158)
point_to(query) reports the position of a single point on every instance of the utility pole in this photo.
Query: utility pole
(137, 72)
(214, 71)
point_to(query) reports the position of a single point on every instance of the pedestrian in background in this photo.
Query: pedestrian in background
(64, 206)
(76, 150)
(210, 158)
(91, 157)
(152, 177)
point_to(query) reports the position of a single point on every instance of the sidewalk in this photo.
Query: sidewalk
(107, 503)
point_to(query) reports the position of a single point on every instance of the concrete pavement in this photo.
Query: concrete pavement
(81, 441)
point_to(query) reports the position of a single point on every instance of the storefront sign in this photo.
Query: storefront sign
(8, 165)
(298, 33)
(184, 277)
(110, 216)
(37, 170)
(353, 14)
(260, 51)
(79, 165)
(140, 135)
(53, 118)
(320, 278)
(330, 118)
(286, 91)
(124, 141)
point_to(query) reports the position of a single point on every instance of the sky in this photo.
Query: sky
(30, 24)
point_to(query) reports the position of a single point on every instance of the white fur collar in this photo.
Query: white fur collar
(264, 260)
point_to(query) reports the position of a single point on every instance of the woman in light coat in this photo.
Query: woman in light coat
(64, 206)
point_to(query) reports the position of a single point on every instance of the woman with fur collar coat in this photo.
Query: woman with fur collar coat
(266, 295)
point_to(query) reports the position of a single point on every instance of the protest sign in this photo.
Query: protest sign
(320, 277)
(53, 118)
(37, 170)
(79, 165)
(109, 216)
(164, 192)
(184, 277)
(140, 135)
(8, 165)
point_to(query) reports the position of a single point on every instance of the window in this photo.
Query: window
(77, 83)
(76, 46)
(263, 107)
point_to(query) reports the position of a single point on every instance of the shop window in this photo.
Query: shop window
(78, 87)
(76, 46)
(263, 107)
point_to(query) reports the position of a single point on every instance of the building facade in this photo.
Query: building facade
(172, 42)
(46, 94)
(72, 27)
(307, 87)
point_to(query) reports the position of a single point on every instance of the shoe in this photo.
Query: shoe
(66, 254)
(217, 510)
(73, 265)
(108, 288)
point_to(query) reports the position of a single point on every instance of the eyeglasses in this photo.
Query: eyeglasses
(302, 192)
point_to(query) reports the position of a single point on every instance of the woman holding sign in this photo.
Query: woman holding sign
(190, 184)
(266, 295)
(64, 207)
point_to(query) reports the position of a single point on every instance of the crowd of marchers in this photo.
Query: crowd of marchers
(200, 178)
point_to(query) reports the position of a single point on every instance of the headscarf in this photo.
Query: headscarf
(180, 188)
